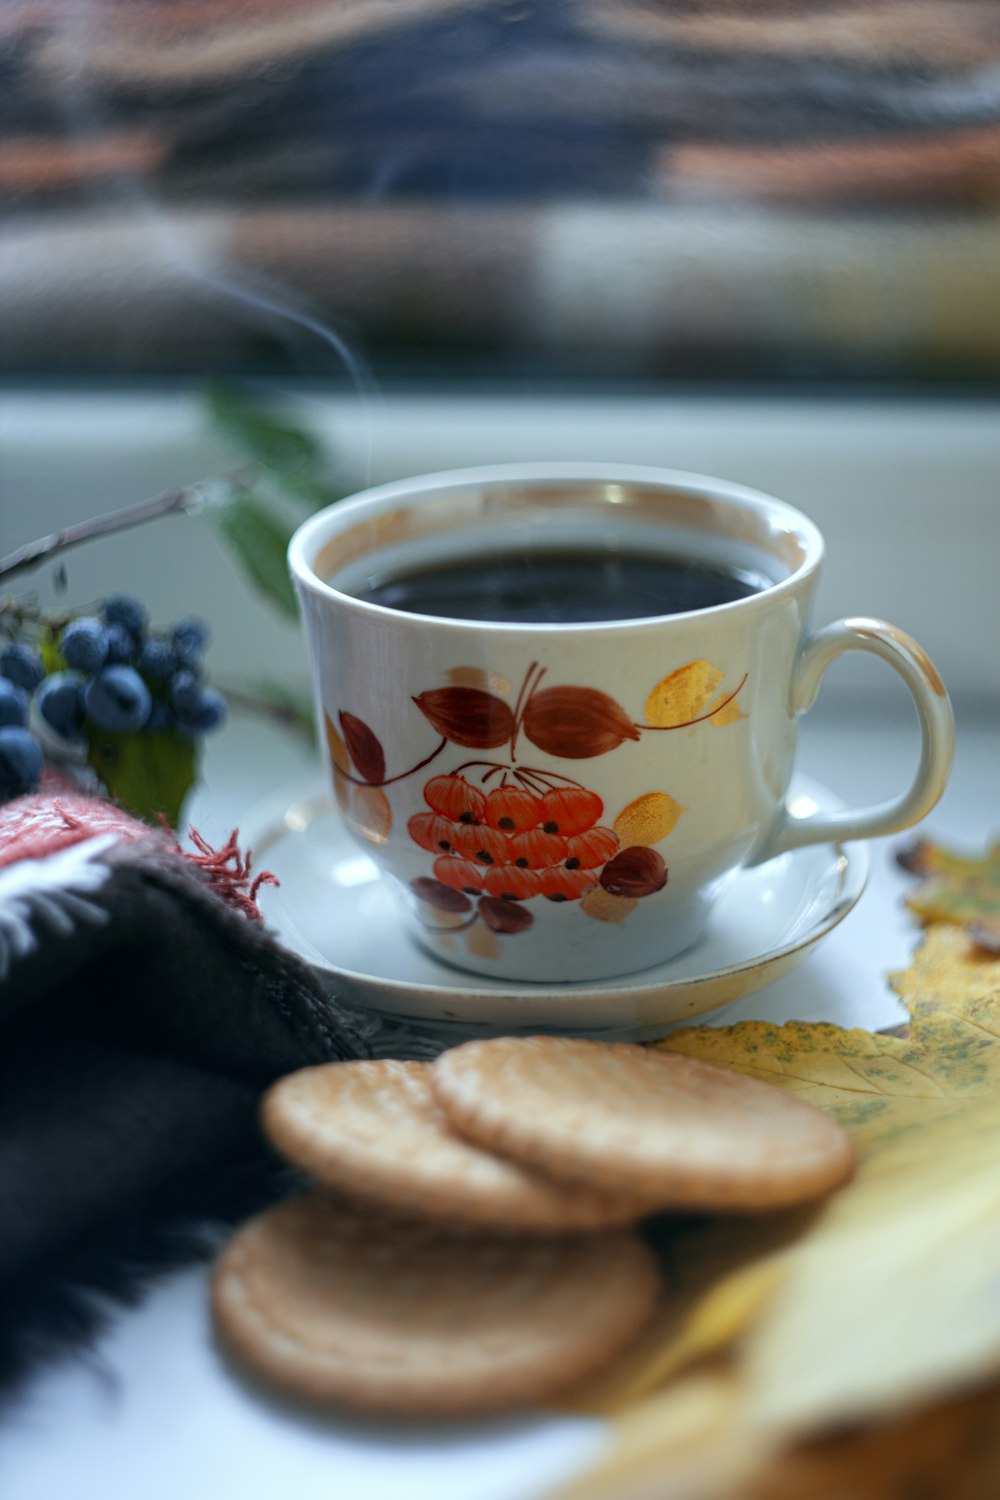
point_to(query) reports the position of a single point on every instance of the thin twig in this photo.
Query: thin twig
(282, 712)
(187, 501)
(399, 776)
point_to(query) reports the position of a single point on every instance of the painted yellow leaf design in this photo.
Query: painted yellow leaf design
(342, 792)
(482, 941)
(336, 746)
(440, 921)
(369, 813)
(479, 677)
(340, 762)
(728, 712)
(879, 1299)
(682, 696)
(647, 820)
(602, 906)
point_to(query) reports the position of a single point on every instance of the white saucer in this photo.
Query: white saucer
(334, 910)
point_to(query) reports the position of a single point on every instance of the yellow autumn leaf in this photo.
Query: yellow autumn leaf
(926, 858)
(701, 1315)
(947, 1448)
(874, 1084)
(947, 968)
(893, 1296)
(647, 820)
(955, 888)
(690, 1447)
(683, 695)
(862, 1307)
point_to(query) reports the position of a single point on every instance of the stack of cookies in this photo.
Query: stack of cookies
(470, 1244)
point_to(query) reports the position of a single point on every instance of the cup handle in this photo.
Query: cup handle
(937, 736)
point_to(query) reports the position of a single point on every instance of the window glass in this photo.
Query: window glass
(671, 190)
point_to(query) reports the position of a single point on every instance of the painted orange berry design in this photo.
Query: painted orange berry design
(432, 832)
(570, 809)
(591, 849)
(454, 798)
(560, 884)
(512, 882)
(460, 874)
(511, 809)
(504, 834)
(536, 835)
(536, 849)
(477, 841)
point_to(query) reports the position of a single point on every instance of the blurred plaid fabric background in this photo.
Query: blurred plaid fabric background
(797, 190)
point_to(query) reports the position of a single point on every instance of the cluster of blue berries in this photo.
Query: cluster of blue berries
(118, 677)
(21, 756)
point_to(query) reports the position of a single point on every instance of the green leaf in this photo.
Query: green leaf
(292, 456)
(147, 774)
(260, 541)
(52, 657)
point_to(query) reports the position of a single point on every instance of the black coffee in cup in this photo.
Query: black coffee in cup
(560, 587)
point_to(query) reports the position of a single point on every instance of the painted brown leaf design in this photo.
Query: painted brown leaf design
(442, 897)
(468, 716)
(363, 748)
(638, 871)
(576, 722)
(504, 916)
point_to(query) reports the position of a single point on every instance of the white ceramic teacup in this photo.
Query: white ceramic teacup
(564, 802)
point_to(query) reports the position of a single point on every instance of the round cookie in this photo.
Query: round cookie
(668, 1130)
(333, 1306)
(374, 1130)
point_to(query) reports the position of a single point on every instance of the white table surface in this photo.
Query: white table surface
(155, 1413)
